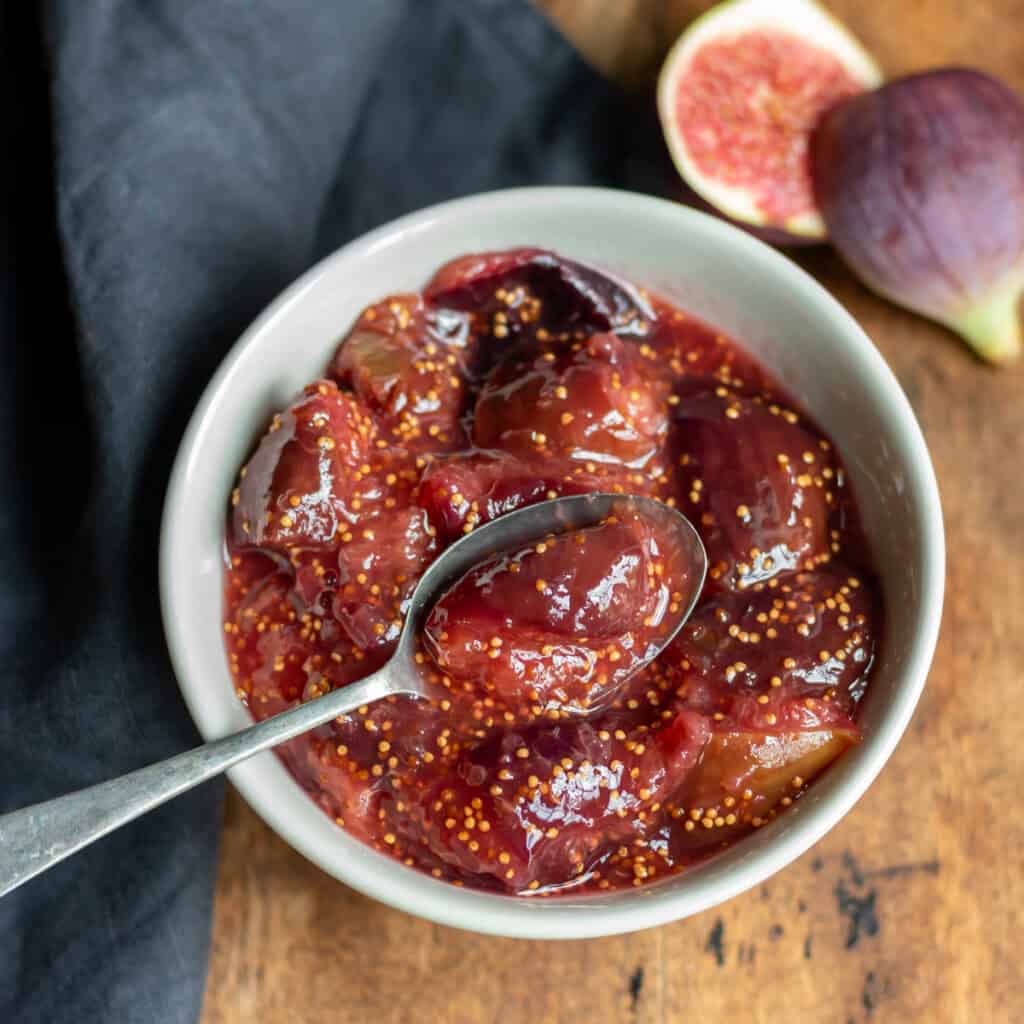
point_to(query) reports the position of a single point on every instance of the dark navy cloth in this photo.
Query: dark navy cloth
(178, 162)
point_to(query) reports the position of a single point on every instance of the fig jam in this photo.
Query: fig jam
(557, 756)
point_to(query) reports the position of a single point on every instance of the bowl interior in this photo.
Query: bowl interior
(711, 270)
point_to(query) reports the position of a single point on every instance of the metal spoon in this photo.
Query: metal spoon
(37, 837)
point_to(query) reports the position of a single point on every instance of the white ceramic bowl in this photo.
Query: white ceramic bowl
(710, 269)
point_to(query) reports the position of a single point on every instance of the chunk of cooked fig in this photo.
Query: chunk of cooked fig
(407, 363)
(468, 489)
(534, 292)
(294, 491)
(592, 401)
(541, 806)
(757, 482)
(565, 622)
(810, 636)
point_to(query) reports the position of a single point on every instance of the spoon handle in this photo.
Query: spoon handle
(35, 838)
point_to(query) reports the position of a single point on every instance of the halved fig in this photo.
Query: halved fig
(758, 484)
(740, 94)
(294, 490)
(536, 292)
(594, 400)
(563, 623)
(541, 806)
(407, 363)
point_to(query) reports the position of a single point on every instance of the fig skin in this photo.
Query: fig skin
(921, 185)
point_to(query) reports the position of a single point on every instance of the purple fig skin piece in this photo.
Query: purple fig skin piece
(921, 186)
(590, 296)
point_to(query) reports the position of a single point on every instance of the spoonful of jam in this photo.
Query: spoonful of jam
(562, 621)
(550, 608)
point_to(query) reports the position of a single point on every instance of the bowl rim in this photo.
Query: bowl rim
(649, 906)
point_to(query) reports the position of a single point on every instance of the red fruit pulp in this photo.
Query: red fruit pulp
(745, 108)
(580, 755)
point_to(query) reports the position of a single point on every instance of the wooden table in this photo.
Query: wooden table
(911, 909)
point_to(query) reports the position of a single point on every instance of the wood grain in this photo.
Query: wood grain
(911, 909)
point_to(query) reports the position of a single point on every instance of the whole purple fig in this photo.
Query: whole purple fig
(921, 186)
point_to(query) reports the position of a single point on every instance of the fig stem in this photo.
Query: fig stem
(992, 325)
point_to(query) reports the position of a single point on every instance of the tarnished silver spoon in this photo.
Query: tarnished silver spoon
(37, 837)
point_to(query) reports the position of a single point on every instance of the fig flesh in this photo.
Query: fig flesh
(738, 97)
